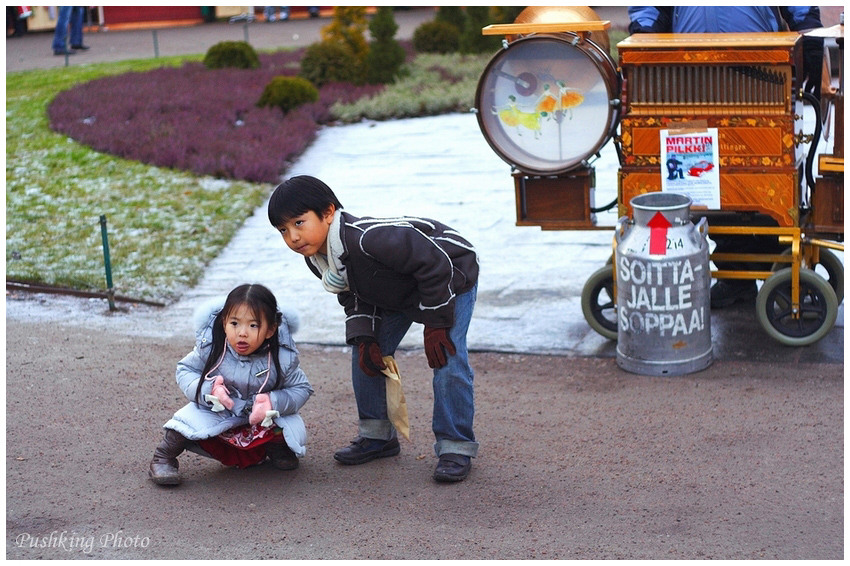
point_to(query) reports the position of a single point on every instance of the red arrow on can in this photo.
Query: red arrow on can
(658, 226)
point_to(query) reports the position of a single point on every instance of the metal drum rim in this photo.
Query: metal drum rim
(602, 62)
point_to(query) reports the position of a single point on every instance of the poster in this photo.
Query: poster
(691, 165)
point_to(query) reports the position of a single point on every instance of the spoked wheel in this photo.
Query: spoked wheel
(818, 308)
(828, 266)
(598, 303)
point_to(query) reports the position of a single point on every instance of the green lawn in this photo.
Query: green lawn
(164, 225)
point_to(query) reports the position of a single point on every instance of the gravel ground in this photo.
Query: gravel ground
(579, 460)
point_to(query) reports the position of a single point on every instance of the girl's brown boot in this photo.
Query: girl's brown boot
(164, 466)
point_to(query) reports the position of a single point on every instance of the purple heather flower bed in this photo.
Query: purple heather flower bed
(197, 119)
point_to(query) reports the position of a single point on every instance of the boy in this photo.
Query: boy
(387, 274)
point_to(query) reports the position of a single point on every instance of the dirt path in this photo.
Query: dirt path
(578, 460)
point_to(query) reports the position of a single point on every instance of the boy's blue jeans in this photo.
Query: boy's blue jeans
(454, 404)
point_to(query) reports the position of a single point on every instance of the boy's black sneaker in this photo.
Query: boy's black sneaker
(362, 450)
(452, 468)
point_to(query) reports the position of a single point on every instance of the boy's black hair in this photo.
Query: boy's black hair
(262, 304)
(298, 195)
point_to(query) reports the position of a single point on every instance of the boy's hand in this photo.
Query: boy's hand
(262, 404)
(371, 361)
(435, 340)
(221, 393)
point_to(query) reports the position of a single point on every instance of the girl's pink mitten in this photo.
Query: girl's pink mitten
(262, 404)
(220, 391)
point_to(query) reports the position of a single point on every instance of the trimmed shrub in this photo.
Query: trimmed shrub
(506, 14)
(436, 37)
(348, 28)
(451, 15)
(231, 54)
(471, 39)
(288, 93)
(326, 62)
(386, 55)
(383, 26)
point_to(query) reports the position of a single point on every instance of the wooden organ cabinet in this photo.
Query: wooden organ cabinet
(553, 97)
(739, 83)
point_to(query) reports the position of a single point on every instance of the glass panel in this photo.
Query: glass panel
(544, 105)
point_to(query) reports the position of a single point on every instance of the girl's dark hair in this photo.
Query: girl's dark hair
(263, 305)
(298, 195)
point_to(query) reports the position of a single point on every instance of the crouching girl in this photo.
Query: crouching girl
(245, 386)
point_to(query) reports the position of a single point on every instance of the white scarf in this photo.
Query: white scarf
(334, 278)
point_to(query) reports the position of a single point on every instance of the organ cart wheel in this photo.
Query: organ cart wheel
(598, 302)
(818, 308)
(828, 263)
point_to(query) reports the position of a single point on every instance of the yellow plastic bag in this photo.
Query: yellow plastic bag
(396, 404)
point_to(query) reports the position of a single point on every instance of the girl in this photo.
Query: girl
(246, 387)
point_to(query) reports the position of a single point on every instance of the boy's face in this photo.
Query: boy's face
(244, 332)
(308, 234)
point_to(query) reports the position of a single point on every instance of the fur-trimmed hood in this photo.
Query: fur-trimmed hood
(205, 313)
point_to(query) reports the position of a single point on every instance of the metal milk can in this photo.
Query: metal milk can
(663, 288)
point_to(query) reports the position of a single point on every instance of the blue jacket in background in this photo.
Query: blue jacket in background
(722, 19)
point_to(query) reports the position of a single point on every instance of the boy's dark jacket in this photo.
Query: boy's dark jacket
(413, 265)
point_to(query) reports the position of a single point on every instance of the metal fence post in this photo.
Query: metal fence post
(110, 292)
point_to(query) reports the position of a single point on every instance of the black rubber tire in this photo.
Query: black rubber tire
(831, 265)
(601, 316)
(818, 308)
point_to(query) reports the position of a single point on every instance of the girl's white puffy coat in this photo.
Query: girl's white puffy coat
(243, 376)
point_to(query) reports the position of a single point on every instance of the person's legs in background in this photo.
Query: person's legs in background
(60, 34)
(16, 22)
(76, 23)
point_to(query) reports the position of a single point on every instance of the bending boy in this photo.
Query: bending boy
(387, 274)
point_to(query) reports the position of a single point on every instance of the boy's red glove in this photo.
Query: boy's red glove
(435, 340)
(262, 404)
(370, 359)
(221, 393)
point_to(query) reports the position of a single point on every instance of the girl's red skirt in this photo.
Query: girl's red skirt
(242, 446)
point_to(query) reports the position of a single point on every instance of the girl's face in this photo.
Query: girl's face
(308, 234)
(244, 331)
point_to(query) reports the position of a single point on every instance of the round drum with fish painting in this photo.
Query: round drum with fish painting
(547, 102)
